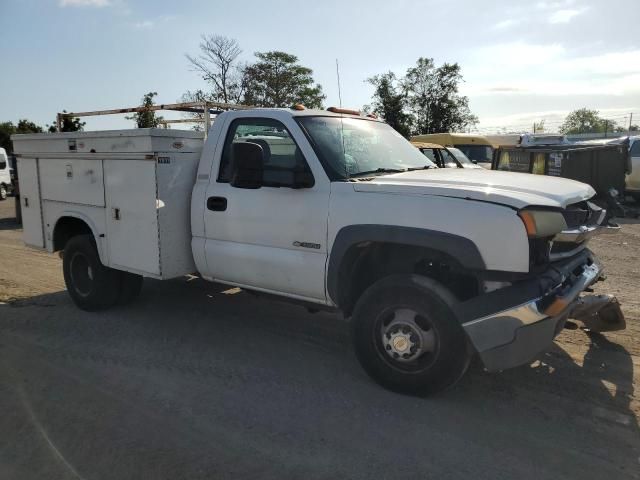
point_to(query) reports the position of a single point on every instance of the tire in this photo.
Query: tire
(91, 285)
(3, 192)
(130, 286)
(407, 337)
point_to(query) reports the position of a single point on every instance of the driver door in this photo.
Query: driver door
(273, 238)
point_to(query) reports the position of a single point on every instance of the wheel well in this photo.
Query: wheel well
(67, 228)
(367, 262)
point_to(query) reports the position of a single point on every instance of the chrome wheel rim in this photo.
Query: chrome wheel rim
(407, 339)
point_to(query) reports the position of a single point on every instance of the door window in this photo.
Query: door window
(430, 154)
(281, 153)
(448, 160)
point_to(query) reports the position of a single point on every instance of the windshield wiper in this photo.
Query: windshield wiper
(378, 170)
(425, 167)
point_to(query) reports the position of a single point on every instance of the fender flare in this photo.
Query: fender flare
(92, 226)
(462, 249)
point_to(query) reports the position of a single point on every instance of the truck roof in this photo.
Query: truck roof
(452, 139)
(425, 144)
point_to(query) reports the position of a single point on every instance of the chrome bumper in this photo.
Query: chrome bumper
(582, 233)
(514, 336)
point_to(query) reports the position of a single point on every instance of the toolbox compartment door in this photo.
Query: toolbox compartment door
(30, 199)
(132, 219)
(72, 180)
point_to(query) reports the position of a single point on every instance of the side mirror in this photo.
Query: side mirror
(247, 167)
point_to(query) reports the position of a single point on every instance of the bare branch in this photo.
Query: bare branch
(216, 63)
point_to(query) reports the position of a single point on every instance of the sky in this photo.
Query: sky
(522, 61)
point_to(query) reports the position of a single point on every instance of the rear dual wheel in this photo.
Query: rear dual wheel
(91, 285)
(406, 336)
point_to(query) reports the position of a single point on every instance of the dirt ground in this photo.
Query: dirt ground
(199, 381)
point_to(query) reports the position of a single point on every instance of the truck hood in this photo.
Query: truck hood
(516, 190)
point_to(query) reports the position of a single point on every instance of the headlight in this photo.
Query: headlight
(542, 223)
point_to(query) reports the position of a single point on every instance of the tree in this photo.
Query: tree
(199, 96)
(69, 124)
(146, 118)
(27, 126)
(389, 103)
(584, 120)
(8, 128)
(278, 80)
(217, 65)
(433, 99)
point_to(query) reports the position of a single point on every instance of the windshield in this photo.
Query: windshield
(350, 146)
(461, 157)
(479, 153)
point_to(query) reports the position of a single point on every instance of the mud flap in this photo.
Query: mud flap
(599, 313)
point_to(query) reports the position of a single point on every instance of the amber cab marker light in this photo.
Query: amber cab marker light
(529, 223)
(298, 106)
(343, 110)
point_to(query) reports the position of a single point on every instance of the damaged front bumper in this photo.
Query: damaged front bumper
(539, 308)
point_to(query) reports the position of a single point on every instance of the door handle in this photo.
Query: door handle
(217, 204)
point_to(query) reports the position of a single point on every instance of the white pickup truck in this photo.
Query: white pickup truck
(332, 210)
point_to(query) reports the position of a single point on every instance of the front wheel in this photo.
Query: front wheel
(91, 285)
(3, 192)
(406, 336)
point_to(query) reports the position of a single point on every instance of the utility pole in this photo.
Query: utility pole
(630, 120)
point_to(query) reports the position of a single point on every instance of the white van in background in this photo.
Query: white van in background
(6, 185)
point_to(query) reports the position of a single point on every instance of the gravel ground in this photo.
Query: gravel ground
(199, 381)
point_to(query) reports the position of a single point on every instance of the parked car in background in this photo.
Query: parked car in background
(475, 147)
(6, 183)
(445, 157)
(632, 184)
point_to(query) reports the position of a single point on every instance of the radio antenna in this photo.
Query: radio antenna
(339, 90)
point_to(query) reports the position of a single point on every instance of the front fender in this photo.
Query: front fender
(460, 248)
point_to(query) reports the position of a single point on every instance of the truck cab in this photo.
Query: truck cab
(332, 210)
(476, 148)
(445, 157)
